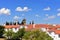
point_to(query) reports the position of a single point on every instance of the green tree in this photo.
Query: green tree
(23, 22)
(36, 35)
(21, 33)
(11, 23)
(14, 23)
(18, 23)
(15, 36)
(7, 23)
(1, 31)
(8, 34)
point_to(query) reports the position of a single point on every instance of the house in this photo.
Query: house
(52, 30)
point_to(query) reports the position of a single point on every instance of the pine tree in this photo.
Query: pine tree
(7, 23)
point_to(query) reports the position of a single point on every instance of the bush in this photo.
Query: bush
(10, 35)
(36, 35)
(1, 31)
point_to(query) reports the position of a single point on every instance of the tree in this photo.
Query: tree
(23, 22)
(10, 23)
(32, 22)
(36, 35)
(8, 34)
(1, 31)
(18, 23)
(14, 23)
(15, 36)
(7, 23)
(21, 33)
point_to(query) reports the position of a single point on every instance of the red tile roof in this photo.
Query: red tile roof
(57, 31)
(37, 26)
(12, 26)
(29, 27)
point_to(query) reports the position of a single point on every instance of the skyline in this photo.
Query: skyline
(41, 11)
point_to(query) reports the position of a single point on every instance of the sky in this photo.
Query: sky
(40, 11)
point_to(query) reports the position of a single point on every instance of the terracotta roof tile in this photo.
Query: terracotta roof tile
(57, 31)
(37, 26)
(29, 27)
(11, 26)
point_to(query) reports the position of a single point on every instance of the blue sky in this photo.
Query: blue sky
(41, 11)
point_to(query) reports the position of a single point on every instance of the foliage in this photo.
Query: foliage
(8, 34)
(23, 21)
(29, 35)
(14, 36)
(36, 35)
(1, 31)
(21, 33)
(7, 23)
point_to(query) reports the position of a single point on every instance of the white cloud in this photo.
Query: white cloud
(47, 9)
(50, 17)
(58, 14)
(58, 9)
(46, 15)
(26, 9)
(5, 11)
(16, 17)
(22, 9)
(37, 15)
(19, 9)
